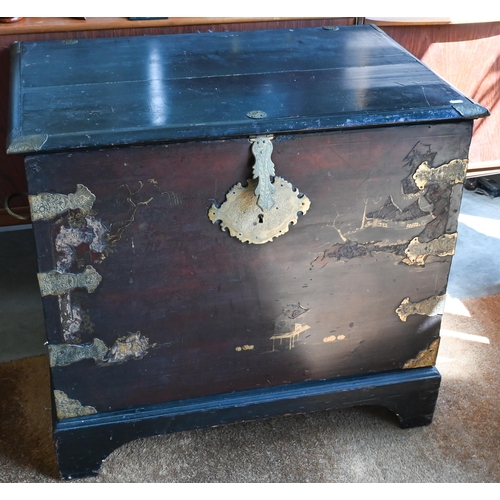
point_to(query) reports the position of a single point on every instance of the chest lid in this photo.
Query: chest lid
(102, 92)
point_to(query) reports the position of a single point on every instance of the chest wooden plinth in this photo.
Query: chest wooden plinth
(201, 280)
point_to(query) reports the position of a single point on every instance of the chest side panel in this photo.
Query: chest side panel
(184, 310)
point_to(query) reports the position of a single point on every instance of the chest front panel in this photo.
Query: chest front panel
(183, 310)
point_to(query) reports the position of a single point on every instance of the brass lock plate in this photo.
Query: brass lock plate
(266, 207)
(245, 220)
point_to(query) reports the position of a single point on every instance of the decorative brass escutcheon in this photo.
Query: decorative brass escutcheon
(263, 170)
(266, 206)
(46, 206)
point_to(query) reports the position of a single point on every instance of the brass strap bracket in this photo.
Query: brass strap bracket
(47, 206)
(57, 283)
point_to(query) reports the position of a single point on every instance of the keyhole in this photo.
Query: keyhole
(261, 218)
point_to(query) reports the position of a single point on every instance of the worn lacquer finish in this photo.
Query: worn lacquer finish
(156, 88)
(178, 297)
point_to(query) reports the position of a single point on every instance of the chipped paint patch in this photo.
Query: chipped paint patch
(348, 250)
(417, 252)
(86, 326)
(98, 233)
(67, 240)
(333, 338)
(414, 252)
(245, 348)
(392, 217)
(425, 358)
(66, 354)
(285, 322)
(71, 318)
(290, 336)
(286, 327)
(352, 249)
(427, 307)
(74, 320)
(69, 408)
(131, 346)
(88, 230)
(449, 173)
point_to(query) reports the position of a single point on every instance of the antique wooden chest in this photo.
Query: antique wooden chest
(233, 226)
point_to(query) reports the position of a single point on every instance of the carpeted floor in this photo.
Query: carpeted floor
(355, 445)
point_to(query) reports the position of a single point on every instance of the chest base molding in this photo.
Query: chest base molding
(82, 443)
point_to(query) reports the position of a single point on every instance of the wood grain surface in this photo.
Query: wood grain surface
(210, 306)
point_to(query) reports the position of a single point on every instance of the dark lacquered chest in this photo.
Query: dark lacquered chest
(234, 226)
